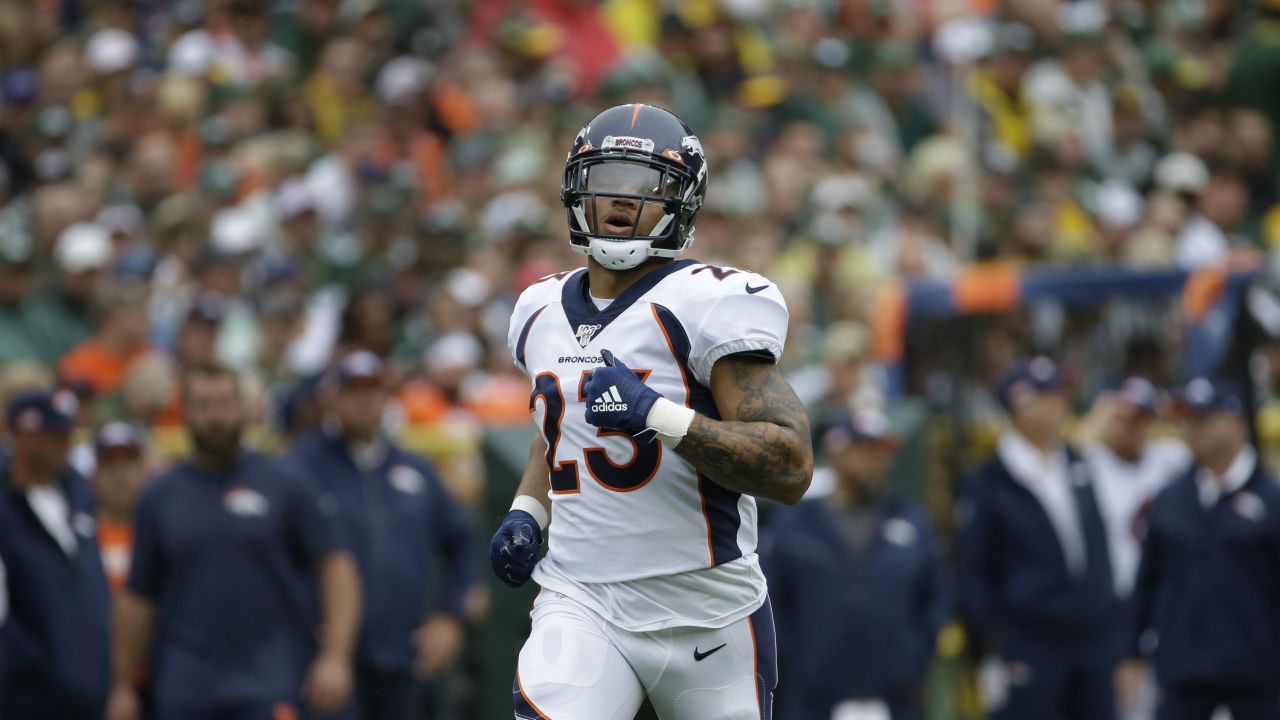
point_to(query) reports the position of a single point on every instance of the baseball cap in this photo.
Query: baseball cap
(41, 410)
(294, 199)
(403, 79)
(358, 365)
(1119, 204)
(116, 436)
(1139, 392)
(20, 87)
(1204, 395)
(83, 246)
(1181, 172)
(862, 426)
(845, 340)
(457, 349)
(15, 246)
(122, 220)
(111, 50)
(207, 309)
(235, 231)
(1036, 375)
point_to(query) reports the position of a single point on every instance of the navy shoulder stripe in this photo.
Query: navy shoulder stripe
(719, 504)
(524, 335)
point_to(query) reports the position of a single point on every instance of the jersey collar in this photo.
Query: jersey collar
(580, 311)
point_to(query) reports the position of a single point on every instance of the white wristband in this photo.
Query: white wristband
(670, 420)
(534, 507)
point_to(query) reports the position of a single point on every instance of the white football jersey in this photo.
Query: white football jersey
(636, 532)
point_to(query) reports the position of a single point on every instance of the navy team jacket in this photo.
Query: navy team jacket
(1209, 585)
(838, 612)
(1016, 591)
(55, 639)
(405, 531)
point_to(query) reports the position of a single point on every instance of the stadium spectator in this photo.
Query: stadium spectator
(118, 477)
(102, 361)
(1207, 596)
(997, 88)
(55, 642)
(1037, 587)
(851, 574)
(17, 339)
(400, 523)
(1129, 468)
(830, 389)
(1254, 67)
(230, 550)
(64, 314)
(1199, 241)
(197, 339)
(120, 471)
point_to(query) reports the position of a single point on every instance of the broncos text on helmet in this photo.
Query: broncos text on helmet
(626, 165)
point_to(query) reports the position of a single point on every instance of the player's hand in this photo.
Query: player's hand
(1129, 679)
(123, 704)
(329, 683)
(437, 641)
(514, 549)
(617, 399)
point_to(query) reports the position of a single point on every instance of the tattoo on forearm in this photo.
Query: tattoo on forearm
(766, 450)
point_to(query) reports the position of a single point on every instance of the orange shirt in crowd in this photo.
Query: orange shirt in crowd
(115, 542)
(94, 363)
(498, 400)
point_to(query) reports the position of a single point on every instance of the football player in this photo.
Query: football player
(662, 416)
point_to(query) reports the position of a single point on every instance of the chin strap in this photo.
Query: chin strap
(620, 254)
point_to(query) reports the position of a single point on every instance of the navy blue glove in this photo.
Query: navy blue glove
(617, 399)
(514, 549)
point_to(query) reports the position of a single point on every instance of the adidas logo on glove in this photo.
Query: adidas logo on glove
(609, 402)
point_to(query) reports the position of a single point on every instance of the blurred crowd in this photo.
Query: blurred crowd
(269, 183)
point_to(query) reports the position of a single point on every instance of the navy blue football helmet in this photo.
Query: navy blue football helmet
(643, 154)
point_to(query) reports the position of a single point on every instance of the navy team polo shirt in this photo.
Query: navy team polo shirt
(229, 561)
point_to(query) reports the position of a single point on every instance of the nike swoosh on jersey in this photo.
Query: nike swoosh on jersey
(754, 290)
(700, 656)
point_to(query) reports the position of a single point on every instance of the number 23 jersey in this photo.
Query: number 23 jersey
(637, 533)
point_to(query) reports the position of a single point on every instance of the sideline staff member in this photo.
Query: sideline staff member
(55, 639)
(399, 521)
(226, 547)
(1038, 591)
(853, 574)
(1208, 589)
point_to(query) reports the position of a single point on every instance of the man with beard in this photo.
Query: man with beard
(227, 548)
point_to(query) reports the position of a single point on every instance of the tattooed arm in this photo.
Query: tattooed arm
(761, 445)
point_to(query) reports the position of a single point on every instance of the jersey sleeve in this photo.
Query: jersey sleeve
(531, 303)
(746, 314)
